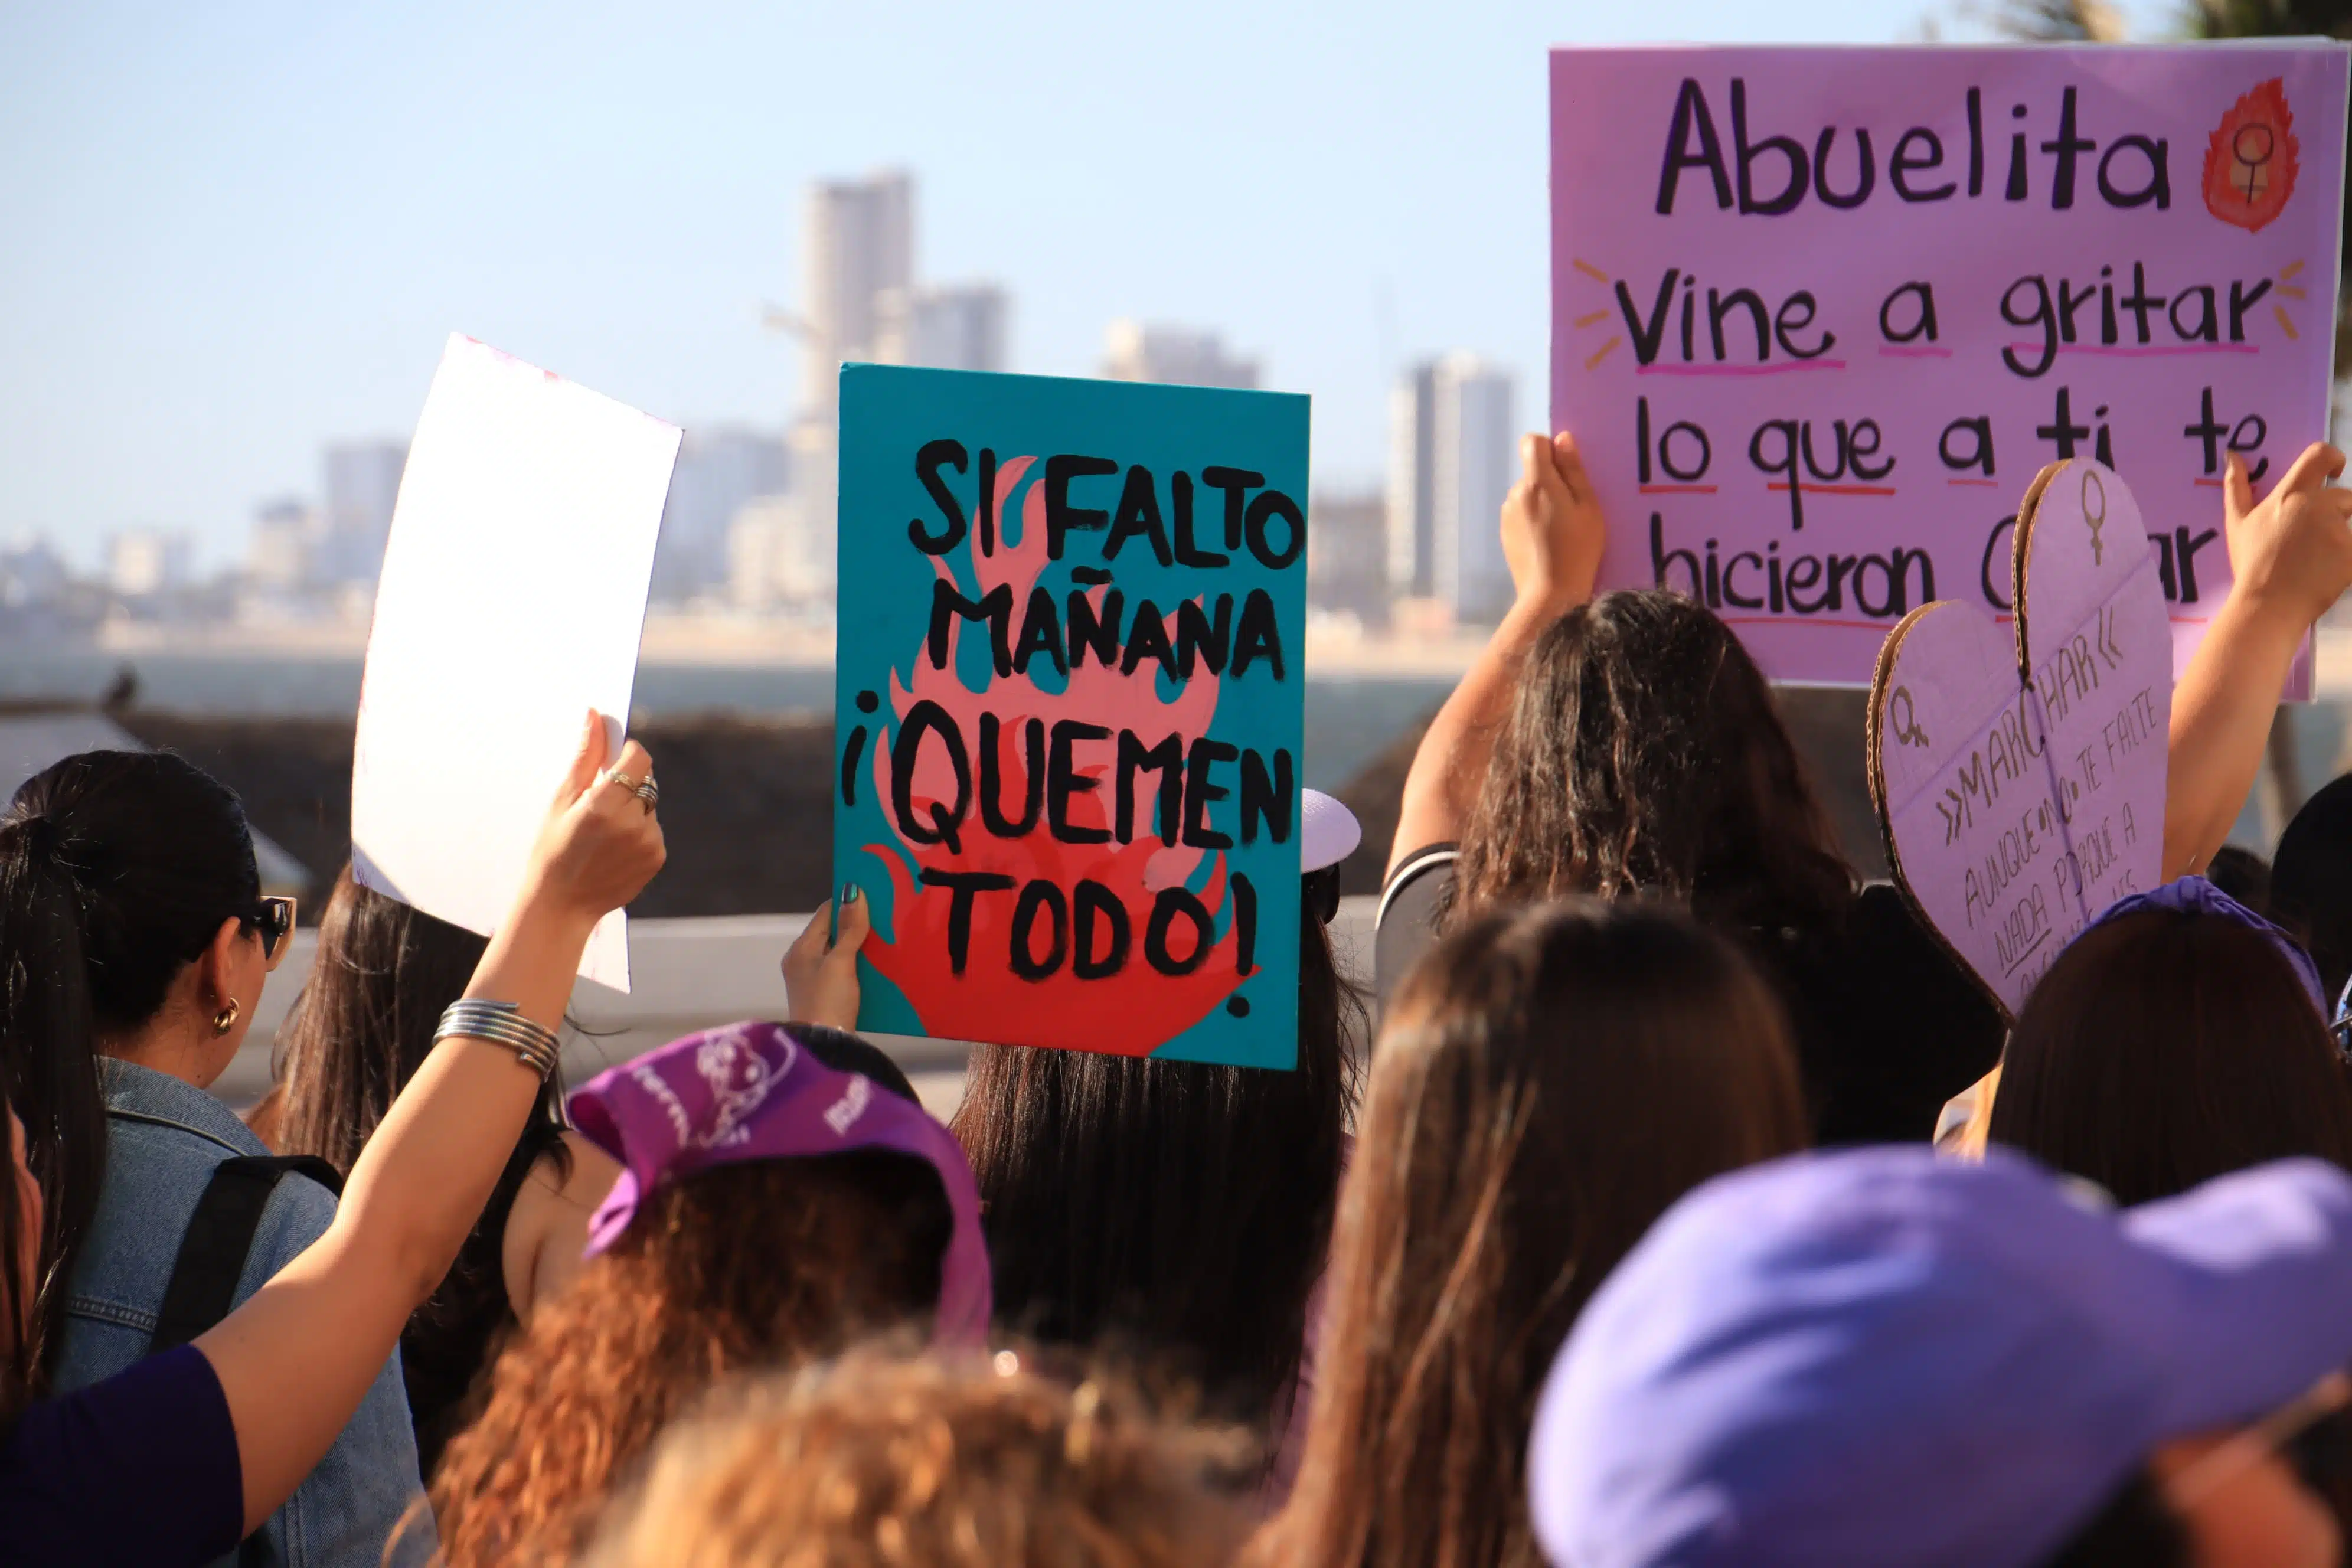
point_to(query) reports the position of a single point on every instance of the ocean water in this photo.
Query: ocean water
(1348, 719)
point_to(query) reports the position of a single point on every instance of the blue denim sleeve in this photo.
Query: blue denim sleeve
(367, 1485)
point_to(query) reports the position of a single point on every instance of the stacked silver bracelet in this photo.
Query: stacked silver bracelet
(503, 1023)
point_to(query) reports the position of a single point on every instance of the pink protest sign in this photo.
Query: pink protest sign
(2019, 768)
(1818, 314)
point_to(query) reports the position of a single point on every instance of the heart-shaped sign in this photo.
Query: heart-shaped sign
(2020, 780)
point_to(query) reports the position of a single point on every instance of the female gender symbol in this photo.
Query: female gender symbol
(2091, 486)
(2252, 163)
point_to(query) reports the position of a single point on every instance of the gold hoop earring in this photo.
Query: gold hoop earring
(226, 1019)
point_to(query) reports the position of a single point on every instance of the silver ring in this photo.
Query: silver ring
(650, 792)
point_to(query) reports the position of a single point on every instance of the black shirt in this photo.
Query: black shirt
(454, 1335)
(1888, 1025)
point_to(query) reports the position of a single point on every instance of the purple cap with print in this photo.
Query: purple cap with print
(752, 1091)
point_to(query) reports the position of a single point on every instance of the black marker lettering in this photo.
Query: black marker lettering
(934, 456)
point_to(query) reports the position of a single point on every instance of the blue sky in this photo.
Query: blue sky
(233, 232)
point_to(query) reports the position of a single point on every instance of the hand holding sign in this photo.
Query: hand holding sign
(2020, 782)
(1552, 526)
(2292, 549)
(599, 845)
(821, 966)
(2293, 557)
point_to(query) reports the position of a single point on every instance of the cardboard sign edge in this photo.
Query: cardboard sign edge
(2028, 512)
(1875, 772)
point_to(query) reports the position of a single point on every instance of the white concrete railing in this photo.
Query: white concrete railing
(689, 974)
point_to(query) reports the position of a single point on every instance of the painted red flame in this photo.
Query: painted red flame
(1128, 1014)
(2249, 162)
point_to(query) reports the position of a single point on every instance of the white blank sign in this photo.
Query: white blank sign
(512, 600)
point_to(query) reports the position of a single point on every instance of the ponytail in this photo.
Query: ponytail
(45, 1033)
(116, 870)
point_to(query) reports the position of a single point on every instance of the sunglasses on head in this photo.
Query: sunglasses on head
(273, 917)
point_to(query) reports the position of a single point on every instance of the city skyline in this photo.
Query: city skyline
(241, 233)
(748, 520)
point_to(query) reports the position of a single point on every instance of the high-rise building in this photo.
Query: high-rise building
(1450, 436)
(1473, 474)
(781, 548)
(718, 472)
(860, 239)
(362, 483)
(780, 556)
(31, 573)
(1412, 414)
(1346, 556)
(279, 552)
(758, 541)
(859, 301)
(144, 562)
(960, 327)
(1179, 355)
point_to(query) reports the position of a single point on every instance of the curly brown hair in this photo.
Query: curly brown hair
(1643, 754)
(879, 1460)
(742, 1265)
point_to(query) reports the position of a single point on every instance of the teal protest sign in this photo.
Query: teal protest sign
(1068, 710)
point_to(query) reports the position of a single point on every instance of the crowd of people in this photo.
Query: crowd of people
(1672, 1197)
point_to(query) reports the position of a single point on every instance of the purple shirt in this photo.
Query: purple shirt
(140, 1469)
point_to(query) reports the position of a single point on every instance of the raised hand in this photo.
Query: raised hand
(1552, 527)
(2291, 553)
(1552, 535)
(295, 1360)
(821, 974)
(601, 843)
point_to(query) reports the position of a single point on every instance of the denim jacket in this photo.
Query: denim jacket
(163, 1138)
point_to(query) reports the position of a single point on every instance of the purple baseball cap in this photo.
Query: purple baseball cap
(1887, 1356)
(2196, 896)
(754, 1091)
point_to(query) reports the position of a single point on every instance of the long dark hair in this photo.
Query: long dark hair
(116, 870)
(1643, 754)
(1547, 1082)
(2311, 882)
(2165, 1048)
(1179, 1210)
(364, 1023)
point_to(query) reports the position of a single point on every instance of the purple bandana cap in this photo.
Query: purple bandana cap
(2196, 896)
(753, 1092)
